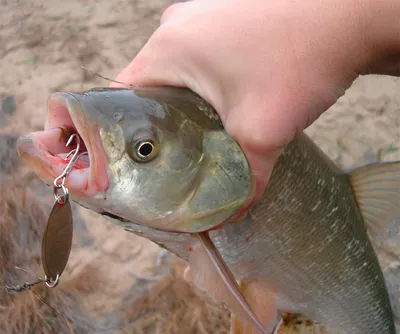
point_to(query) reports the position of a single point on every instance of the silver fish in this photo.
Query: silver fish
(162, 166)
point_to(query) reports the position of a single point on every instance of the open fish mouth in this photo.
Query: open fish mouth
(46, 151)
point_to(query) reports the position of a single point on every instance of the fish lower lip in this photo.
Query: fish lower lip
(45, 152)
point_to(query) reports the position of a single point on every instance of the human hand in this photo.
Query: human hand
(269, 68)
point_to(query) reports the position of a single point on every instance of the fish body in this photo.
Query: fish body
(304, 248)
(306, 238)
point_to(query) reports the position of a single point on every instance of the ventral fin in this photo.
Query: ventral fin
(262, 301)
(297, 324)
(210, 273)
(376, 188)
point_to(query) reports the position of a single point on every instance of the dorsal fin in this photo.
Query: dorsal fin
(376, 188)
(210, 273)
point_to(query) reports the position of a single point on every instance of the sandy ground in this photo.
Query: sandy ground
(43, 45)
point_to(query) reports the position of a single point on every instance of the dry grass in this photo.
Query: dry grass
(22, 222)
(171, 305)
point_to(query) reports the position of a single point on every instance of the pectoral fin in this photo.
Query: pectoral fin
(376, 188)
(210, 273)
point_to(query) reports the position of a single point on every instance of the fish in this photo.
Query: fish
(161, 165)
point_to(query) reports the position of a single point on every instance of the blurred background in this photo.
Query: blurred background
(116, 282)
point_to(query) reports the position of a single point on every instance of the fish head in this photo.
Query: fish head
(158, 157)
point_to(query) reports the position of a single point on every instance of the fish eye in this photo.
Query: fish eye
(143, 149)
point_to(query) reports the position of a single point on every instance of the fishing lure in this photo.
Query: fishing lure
(57, 238)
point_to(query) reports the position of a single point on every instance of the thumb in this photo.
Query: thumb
(167, 57)
(156, 64)
(163, 58)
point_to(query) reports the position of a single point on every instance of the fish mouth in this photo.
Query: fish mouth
(46, 151)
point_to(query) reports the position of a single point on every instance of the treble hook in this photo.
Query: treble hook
(75, 157)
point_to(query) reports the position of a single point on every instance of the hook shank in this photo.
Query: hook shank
(75, 157)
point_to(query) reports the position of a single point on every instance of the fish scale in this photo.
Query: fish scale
(340, 272)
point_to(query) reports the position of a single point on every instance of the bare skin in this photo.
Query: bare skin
(269, 68)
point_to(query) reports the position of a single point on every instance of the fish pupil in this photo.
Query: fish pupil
(145, 149)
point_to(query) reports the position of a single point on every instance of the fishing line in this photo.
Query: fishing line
(108, 79)
(57, 238)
